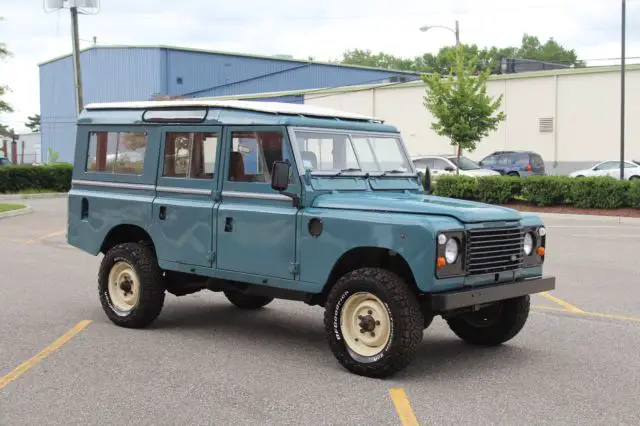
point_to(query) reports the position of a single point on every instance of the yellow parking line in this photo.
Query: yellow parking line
(403, 407)
(44, 237)
(25, 366)
(561, 302)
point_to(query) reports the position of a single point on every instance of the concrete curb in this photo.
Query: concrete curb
(14, 213)
(33, 196)
(593, 218)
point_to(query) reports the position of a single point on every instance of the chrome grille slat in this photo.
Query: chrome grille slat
(493, 250)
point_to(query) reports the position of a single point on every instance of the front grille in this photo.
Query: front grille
(494, 250)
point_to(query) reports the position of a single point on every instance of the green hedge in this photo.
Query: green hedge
(589, 192)
(54, 178)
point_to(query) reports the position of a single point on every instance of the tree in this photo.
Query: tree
(463, 111)
(4, 53)
(487, 57)
(33, 123)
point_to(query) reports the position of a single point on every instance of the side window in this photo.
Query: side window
(253, 155)
(505, 160)
(190, 155)
(490, 161)
(522, 159)
(116, 152)
(423, 162)
(440, 164)
(606, 165)
(537, 160)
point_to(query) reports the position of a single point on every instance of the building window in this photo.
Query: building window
(253, 155)
(190, 155)
(116, 152)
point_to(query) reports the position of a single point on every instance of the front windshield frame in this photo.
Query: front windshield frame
(295, 145)
(454, 160)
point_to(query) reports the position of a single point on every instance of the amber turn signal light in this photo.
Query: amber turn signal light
(441, 262)
(540, 251)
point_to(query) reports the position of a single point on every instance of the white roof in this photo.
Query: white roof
(259, 106)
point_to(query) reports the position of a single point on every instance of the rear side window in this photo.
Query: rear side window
(537, 160)
(190, 155)
(522, 159)
(116, 152)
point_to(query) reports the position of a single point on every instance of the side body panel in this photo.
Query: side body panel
(256, 226)
(183, 225)
(100, 201)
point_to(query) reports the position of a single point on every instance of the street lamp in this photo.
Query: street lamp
(622, 84)
(455, 31)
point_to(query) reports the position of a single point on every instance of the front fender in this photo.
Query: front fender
(411, 236)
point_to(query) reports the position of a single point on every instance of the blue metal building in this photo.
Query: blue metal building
(138, 73)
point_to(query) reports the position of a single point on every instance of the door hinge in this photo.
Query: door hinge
(294, 268)
(211, 256)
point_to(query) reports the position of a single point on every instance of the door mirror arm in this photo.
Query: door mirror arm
(280, 180)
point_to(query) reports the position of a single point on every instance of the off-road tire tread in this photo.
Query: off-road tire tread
(409, 323)
(514, 316)
(144, 261)
(247, 301)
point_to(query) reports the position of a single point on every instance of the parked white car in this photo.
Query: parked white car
(440, 165)
(611, 168)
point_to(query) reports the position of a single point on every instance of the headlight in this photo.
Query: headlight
(451, 251)
(542, 231)
(528, 243)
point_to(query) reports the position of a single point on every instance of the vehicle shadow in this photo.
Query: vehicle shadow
(301, 336)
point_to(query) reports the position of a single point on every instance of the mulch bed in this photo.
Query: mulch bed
(626, 212)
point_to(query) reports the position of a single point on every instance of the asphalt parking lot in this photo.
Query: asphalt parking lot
(205, 362)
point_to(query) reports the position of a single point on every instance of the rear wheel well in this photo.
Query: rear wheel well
(362, 257)
(125, 234)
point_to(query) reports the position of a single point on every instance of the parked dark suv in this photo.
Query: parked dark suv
(514, 163)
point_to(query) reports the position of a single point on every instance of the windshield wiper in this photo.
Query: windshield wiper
(351, 169)
(392, 171)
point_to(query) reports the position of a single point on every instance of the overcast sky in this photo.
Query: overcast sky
(321, 29)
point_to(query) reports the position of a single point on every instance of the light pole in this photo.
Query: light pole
(455, 30)
(622, 84)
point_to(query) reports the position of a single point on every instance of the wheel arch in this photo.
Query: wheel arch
(125, 233)
(369, 256)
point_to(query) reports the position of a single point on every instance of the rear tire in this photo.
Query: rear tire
(493, 325)
(373, 322)
(130, 285)
(247, 301)
(513, 174)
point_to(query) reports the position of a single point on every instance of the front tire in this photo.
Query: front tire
(247, 301)
(373, 322)
(493, 325)
(130, 285)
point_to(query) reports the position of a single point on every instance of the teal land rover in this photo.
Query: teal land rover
(266, 200)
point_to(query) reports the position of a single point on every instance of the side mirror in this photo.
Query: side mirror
(280, 175)
(426, 180)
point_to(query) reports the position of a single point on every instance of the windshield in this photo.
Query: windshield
(465, 163)
(326, 151)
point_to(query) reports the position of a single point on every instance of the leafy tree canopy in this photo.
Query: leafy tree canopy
(487, 58)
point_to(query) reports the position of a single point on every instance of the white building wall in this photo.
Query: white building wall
(585, 109)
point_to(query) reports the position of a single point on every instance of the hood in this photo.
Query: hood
(464, 211)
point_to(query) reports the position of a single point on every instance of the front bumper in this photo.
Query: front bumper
(456, 299)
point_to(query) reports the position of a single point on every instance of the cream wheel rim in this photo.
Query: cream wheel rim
(124, 286)
(365, 324)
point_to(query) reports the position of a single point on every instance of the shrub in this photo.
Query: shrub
(498, 189)
(599, 192)
(547, 190)
(55, 178)
(633, 195)
(463, 187)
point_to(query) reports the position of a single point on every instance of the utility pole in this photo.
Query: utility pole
(457, 32)
(622, 85)
(76, 55)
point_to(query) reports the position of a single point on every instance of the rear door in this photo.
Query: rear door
(183, 211)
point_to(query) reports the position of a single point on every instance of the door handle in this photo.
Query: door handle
(162, 214)
(228, 224)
